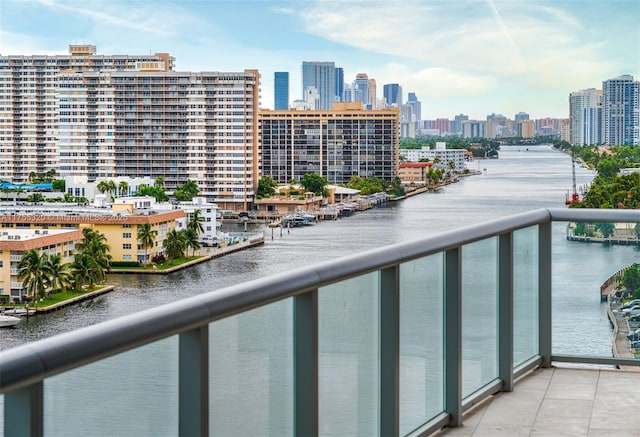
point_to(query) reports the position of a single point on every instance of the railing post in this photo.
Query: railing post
(23, 410)
(453, 335)
(544, 293)
(193, 391)
(390, 351)
(305, 366)
(505, 311)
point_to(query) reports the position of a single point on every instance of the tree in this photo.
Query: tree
(95, 245)
(174, 245)
(187, 191)
(630, 278)
(606, 229)
(60, 276)
(85, 271)
(195, 221)
(266, 186)
(314, 183)
(123, 186)
(155, 191)
(102, 187)
(191, 239)
(32, 271)
(159, 182)
(146, 237)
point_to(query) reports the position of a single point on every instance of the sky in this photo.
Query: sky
(474, 57)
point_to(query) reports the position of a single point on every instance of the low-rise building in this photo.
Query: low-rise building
(14, 242)
(440, 153)
(415, 172)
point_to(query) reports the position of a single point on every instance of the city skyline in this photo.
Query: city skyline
(529, 57)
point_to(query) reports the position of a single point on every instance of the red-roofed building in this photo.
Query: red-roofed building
(414, 171)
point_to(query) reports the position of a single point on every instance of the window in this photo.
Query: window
(126, 235)
(127, 226)
(126, 246)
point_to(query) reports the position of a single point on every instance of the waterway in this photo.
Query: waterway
(522, 179)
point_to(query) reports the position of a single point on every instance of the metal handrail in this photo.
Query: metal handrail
(25, 364)
(25, 367)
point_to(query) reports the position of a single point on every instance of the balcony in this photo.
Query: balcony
(452, 333)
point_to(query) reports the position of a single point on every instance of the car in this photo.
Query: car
(630, 304)
(631, 309)
(634, 335)
(635, 344)
(634, 318)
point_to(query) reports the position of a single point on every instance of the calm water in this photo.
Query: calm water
(524, 178)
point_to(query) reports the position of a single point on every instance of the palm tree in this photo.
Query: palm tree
(174, 245)
(32, 270)
(85, 271)
(159, 182)
(102, 187)
(111, 187)
(123, 187)
(60, 277)
(191, 239)
(146, 237)
(195, 221)
(95, 245)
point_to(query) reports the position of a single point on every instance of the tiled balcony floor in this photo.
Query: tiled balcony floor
(560, 401)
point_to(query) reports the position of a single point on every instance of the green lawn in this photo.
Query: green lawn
(55, 298)
(164, 266)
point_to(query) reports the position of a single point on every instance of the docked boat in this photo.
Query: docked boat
(7, 321)
(298, 219)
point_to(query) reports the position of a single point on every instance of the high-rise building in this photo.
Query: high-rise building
(416, 105)
(322, 76)
(584, 106)
(281, 90)
(174, 125)
(362, 83)
(339, 79)
(337, 144)
(521, 116)
(372, 94)
(456, 125)
(474, 129)
(30, 111)
(620, 111)
(392, 93)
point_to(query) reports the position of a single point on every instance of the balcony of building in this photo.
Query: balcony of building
(451, 334)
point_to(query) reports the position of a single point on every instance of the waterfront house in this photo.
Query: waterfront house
(15, 242)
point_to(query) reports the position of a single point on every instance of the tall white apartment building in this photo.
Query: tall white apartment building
(584, 115)
(28, 108)
(174, 125)
(621, 111)
(105, 117)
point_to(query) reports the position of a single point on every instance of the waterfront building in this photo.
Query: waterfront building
(173, 125)
(414, 172)
(337, 144)
(30, 109)
(118, 223)
(321, 76)
(99, 116)
(474, 129)
(441, 153)
(584, 108)
(621, 111)
(281, 90)
(564, 129)
(14, 242)
(525, 128)
(393, 94)
(208, 212)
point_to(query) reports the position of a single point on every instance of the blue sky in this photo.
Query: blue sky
(473, 57)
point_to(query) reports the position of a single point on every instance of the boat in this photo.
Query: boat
(7, 321)
(298, 219)
(18, 312)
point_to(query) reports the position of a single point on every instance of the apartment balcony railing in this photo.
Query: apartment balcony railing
(396, 310)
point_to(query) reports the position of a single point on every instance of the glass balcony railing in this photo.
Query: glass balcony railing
(400, 340)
